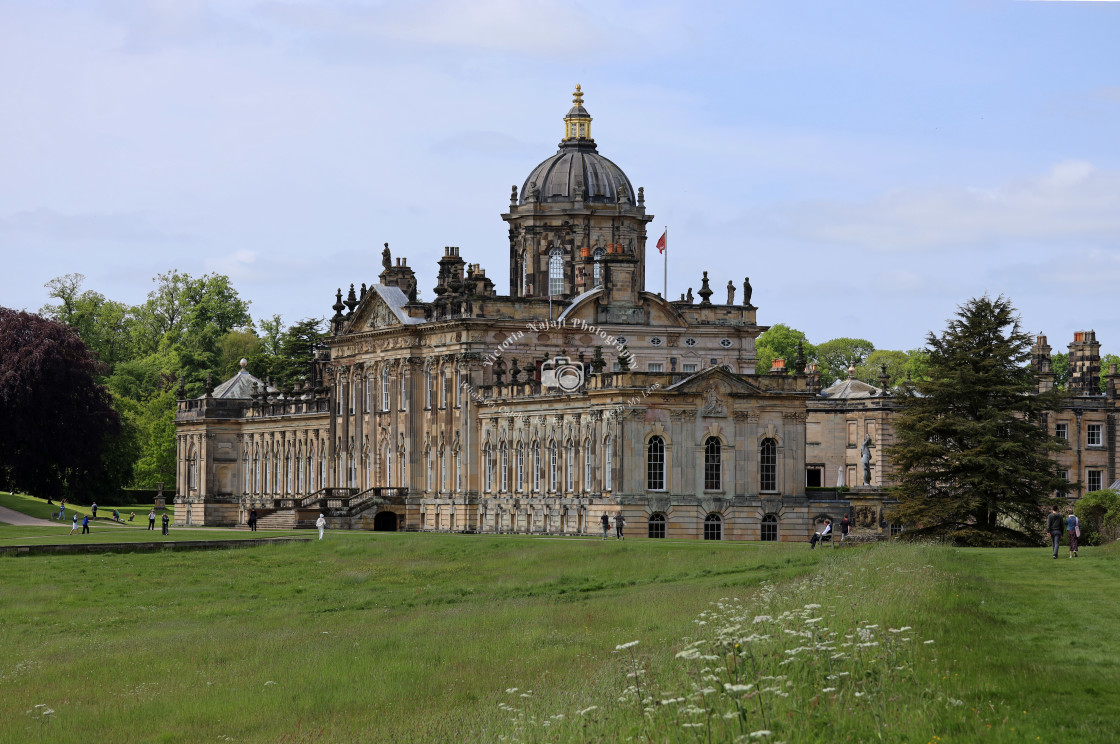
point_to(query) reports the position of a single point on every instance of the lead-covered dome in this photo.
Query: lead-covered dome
(577, 172)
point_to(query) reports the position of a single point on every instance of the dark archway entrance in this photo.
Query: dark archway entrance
(385, 521)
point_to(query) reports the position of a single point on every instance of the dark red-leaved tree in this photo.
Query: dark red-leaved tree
(54, 418)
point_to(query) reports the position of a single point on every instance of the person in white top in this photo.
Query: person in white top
(321, 523)
(818, 536)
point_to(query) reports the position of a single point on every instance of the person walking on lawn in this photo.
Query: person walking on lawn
(1054, 527)
(85, 524)
(165, 523)
(75, 527)
(94, 509)
(62, 510)
(321, 523)
(1073, 529)
(152, 519)
(619, 523)
(606, 522)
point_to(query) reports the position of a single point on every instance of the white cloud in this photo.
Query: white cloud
(1072, 202)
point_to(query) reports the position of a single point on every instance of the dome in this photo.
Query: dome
(577, 172)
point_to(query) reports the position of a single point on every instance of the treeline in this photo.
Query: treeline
(187, 329)
(834, 357)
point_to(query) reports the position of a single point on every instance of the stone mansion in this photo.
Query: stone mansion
(575, 394)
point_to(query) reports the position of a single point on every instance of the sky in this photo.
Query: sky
(871, 165)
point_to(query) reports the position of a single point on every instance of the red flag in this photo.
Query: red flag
(663, 243)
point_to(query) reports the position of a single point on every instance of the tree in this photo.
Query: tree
(104, 325)
(56, 418)
(837, 355)
(901, 365)
(1099, 512)
(780, 341)
(1059, 365)
(972, 458)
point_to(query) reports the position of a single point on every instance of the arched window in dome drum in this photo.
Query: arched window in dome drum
(524, 274)
(556, 272)
(598, 256)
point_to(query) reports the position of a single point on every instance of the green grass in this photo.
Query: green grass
(416, 637)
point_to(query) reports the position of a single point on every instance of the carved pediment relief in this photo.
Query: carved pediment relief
(374, 314)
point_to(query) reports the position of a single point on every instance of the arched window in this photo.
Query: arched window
(587, 465)
(443, 474)
(402, 402)
(713, 477)
(608, 470)
(770, 528)
(369, 391)
(503, 464)
(384, 388)
(520, 467)
(657, 525)
(569, 468)
(536, 466)
(768, 466)
(553, 467)
(458, 472)
(524, 274)
(556, 272)
(655, 464)
(427, 388)
(388, 465)
(247, 469)
(488, 468)
(598, 254)
(428, 477)
(192, 471)
(402, 466)
(713, 527)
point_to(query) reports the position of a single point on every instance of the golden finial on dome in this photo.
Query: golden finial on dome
(577, 97)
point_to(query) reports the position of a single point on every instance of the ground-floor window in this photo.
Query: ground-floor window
(657, 525)
(1094, 480)
(713, 527)
(770, 528)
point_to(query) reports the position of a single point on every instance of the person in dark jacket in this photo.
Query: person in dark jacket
(1054, 527)
(166, 521)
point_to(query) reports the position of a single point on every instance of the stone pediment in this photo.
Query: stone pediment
(381, 308)
(717, 380)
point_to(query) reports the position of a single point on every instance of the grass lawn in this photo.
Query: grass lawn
(39, 508)
(420, 637)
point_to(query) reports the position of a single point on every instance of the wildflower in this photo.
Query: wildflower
(829, 689)
(928, 642)
(692, 725)
(762, 618)
(511, 690)
(588, 709)
(737, 688)
(624, 646)
(270, 682)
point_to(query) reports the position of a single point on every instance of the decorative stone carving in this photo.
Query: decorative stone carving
(712, 404)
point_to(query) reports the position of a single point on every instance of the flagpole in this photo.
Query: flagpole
(666, 257)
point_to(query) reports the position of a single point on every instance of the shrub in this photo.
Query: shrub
(1099, 512)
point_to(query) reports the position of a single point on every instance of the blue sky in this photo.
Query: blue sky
(870, 165)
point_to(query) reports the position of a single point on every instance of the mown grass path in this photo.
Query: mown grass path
(417, 637)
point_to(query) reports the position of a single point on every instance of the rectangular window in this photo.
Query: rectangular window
(1061, 431)
(1093, 479)
(814, 476)
(688, 367)
(851, 433)
(1093, 436)
(459, 389)
(428, 390)
(616, 367)
(608, 472)
(655, 366)
(446, 391)
(403, 402)
(520, 468)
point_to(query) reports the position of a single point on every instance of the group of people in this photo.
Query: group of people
(1056, 523)
(619, 523)
(116, 518)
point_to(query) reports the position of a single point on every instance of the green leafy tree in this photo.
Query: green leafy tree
(1059, 365)
(1106, 361)
(104, 325)
(972, 460)
(900, 365)
(780, 341)
(836, 356)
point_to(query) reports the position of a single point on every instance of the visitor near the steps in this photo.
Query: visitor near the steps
(845, 526)
(253, 520)
(321, 523)
(1073, 529)
(606, 522)
(85, 524)
(619, 523)
(818, 536)
(166, 521)
(1054, 527)
(152, 519)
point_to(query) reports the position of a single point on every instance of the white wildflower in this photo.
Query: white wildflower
(737, 688)
(759, 734)
(829, 689)
(928, 642)
(588, 709)
(624, 646)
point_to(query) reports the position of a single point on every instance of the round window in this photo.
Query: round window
(655, 341)
(690, 342)
(725, 343)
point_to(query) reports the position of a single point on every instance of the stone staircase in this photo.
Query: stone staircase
(281, 519)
